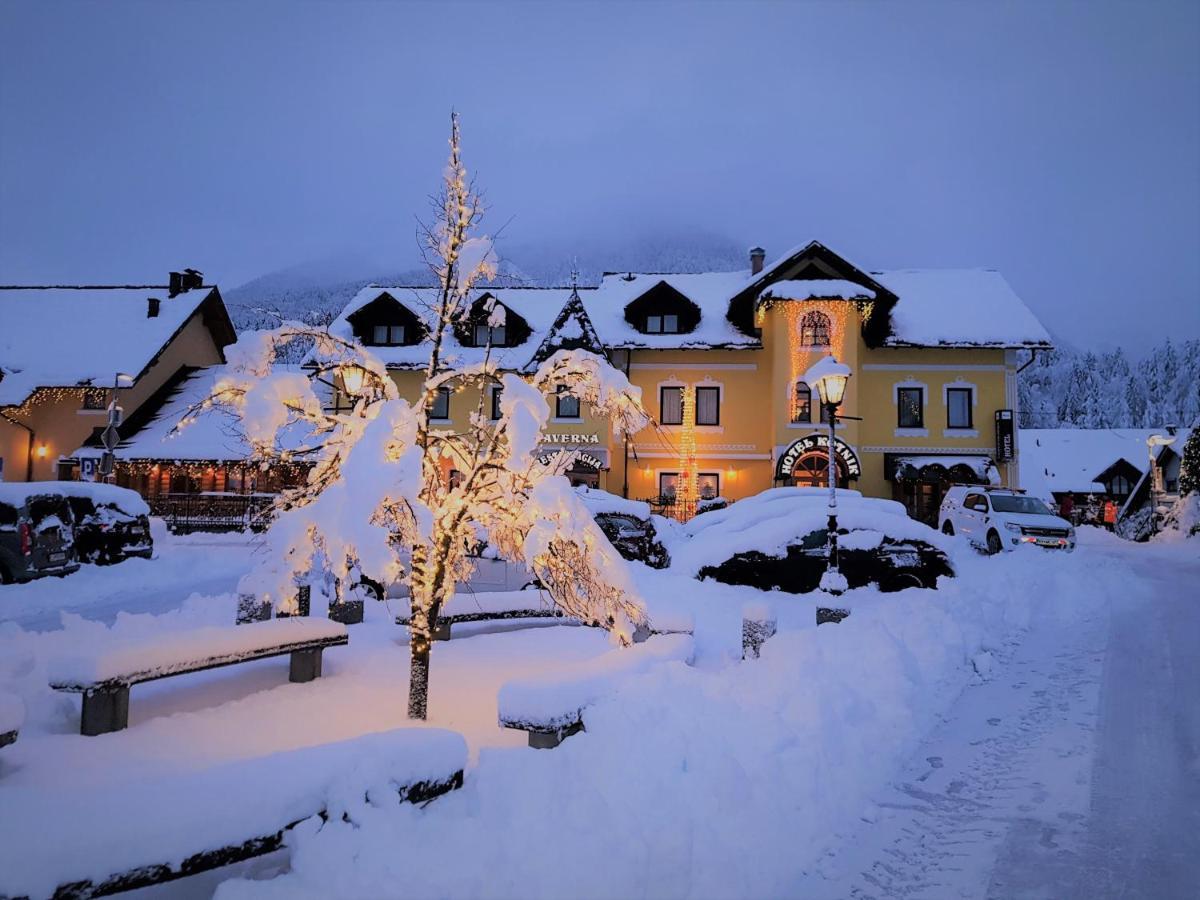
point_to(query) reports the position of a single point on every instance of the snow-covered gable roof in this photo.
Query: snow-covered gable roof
(1061, 460)
(959, 308)
(710, 291)
(64, 336)
(214, 436)
(571, 330)
(539, 307)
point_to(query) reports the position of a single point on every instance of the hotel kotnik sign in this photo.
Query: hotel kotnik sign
(815, 442)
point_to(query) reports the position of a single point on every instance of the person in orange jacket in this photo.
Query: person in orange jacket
(1110, 515)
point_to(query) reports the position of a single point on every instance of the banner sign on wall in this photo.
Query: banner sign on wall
(1005, 436)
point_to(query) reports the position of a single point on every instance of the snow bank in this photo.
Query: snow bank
(770, 521)
(127, 501)
(598, 502)
(12, 713)
(557, 699)
(70, 834)
(711, 781)
(180, 651)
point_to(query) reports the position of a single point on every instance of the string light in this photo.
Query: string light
(687, 489)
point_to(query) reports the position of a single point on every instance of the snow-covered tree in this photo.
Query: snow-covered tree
(379, 500)
(1189, 464)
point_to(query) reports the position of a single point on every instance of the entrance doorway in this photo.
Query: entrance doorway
(922, 499)
(583, 474)
(812, 470)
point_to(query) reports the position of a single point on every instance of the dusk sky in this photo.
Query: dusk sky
(1057, 142)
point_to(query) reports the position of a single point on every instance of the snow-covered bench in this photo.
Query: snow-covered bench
(145, 829)
(105, 676)
(491, 606)
(12, 717)
(550, 707)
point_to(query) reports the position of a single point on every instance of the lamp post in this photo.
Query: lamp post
(830, 377)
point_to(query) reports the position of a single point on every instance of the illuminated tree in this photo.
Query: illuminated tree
(379, 501)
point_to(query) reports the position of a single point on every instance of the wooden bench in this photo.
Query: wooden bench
(105, 678)
(441, 631)
(549, 708)
(168, 825)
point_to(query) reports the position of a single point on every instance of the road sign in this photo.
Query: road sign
(87, 469)
(110, 437)
(106, 464)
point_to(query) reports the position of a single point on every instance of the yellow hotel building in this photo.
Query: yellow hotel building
(720, 359)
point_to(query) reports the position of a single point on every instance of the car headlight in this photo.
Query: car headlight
(1013, 527)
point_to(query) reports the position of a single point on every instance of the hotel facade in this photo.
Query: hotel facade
(720, 358)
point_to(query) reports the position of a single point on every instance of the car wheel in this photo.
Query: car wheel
(948, 528)
(994, 545)
(900, 581)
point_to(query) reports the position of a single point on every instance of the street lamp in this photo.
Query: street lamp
(1153, 442)
(829, 377)
(352, 379)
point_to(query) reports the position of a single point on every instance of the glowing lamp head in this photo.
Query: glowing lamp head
(42, 450)
(829, 377)
(352, 379)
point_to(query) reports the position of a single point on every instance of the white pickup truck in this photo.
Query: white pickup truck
(996, 519)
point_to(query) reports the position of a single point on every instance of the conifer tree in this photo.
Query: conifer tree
(1189, 467)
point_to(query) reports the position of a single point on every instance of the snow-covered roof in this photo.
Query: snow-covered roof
(710, 291)
(213, 435)
(1058, 460)
(63, 337)
(816, 289)
(959, 308)
(537, 306)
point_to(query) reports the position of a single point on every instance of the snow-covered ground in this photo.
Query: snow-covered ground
(1029, 730)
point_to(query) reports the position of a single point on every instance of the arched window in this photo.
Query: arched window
(814, 329)
(802, 404)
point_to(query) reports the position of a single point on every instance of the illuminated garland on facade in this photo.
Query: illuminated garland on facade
(802, 357)
(687, 489)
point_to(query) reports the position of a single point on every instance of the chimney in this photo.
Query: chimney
(152, 305)
(192, 279)
(757, 257)
(175, 287)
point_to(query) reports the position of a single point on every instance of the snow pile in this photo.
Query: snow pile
(134, 659)
(127, 501)
(67, 834)
(711, 781)
(12, 712)
(556, 700)
(770, 521)
(599, 502)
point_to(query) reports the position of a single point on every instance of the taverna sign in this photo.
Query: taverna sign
(815, 442)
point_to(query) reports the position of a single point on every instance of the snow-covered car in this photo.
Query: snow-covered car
(111, 523)
(995, 519)
(37, 537)
(628, 525)
(776, 540)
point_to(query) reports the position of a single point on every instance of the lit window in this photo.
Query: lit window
(708, 485)
(814, 329)
(708, 406)
(911, 403)
(958, 408)
(670, 406)
(489, 334)
(566, 406)
(440, 408)
(667, 483)
(803, 406)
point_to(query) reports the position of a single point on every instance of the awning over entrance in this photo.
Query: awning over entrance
(960, 469)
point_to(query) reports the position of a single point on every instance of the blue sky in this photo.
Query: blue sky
(1057, 142)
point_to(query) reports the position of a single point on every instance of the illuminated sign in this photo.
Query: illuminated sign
(819, 442)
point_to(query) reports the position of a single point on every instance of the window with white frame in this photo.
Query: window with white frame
(387, 335)
(668, 324)
(959, 403)
(489, 334)
(670, 405)
(708, 406)
(440, 408)
(565, 405)
(910, 403)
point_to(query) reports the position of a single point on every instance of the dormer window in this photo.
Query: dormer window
(489, 334)
(662, 324)
(387, 335)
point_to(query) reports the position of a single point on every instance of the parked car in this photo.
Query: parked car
(111, 523)
(776, 540)
(995, 519)
(36, 533)
(629, 526)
